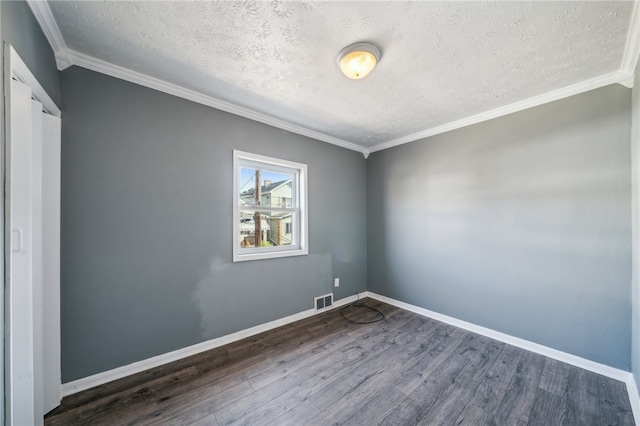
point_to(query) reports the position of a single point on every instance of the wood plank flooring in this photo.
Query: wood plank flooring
(325, 370)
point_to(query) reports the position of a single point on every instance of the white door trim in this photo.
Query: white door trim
(16, 68)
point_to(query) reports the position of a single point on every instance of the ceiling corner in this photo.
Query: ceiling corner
(63, 60)
(47, 22)
(626, 79)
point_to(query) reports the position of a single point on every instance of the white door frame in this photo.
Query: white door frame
(17, 69)
(14, 69)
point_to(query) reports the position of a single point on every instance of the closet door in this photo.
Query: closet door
(21, 391)
(51, 155)
(34, 276)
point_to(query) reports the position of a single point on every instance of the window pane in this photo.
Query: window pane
(270, 204)
(281, 224)
(275, 228)
(276, 188)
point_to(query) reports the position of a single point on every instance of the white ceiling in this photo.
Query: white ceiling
(442, 62)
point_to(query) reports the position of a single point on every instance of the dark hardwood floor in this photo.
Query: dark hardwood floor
(326, 370)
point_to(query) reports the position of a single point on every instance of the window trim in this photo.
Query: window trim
(299, 194)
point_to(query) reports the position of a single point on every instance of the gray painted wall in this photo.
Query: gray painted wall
(635, 226)
(20, 29)
(521, 224)
(146, 225)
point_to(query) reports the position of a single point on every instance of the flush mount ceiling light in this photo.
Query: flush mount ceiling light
(358, 59)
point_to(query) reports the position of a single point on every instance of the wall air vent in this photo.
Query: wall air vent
(323, 302)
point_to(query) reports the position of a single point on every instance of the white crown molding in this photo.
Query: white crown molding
(632, 46)
(98, 65)
(626, 79)
(565, 92)
(66, 57)
(85, 383)
(42, 13)
(62, 60)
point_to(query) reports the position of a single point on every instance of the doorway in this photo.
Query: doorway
(32, 246)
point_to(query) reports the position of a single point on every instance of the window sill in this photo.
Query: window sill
(237, 257)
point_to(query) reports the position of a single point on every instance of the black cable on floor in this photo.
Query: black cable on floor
(355, 304)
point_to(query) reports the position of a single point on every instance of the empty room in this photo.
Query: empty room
(320, 212)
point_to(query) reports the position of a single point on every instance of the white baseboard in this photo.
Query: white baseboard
(634, 397)
(156, 361)
(140, 366)
(596, 367)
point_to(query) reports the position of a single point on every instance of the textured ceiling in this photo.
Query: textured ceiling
(441, 61)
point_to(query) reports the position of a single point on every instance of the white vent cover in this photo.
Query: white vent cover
(323, 302)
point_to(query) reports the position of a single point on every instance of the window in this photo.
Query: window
(269, 207)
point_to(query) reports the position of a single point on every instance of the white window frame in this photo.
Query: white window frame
(298, 209)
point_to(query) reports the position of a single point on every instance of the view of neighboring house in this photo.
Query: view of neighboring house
(276, 226)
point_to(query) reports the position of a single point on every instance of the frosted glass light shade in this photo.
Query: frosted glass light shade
(357, 60)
